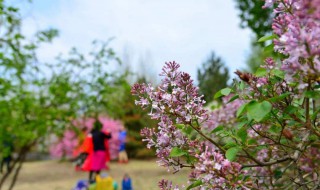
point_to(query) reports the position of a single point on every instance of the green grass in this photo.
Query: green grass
(54, 175)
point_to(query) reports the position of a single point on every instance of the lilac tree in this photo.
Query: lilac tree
(266, 133)
(66, 145)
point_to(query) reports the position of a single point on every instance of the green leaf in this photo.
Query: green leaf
(217, 95)
(226, 91)
(191, 159)
(267, 38)
(242, 134)
(314, 115)
(242, 85)
(278, 73)
(232, 153)
(283, 141)
(13, 9)
(242, 123)
(175, 152)
(241, 109)
(187, 130)
(194, 184)
(278, 98)
(291, 109)
(313, 137)
(230, 145)
(261, 72)
(312, 94)
(275, 129)
(219, 128)
(222, 92)
(269, 48)
(258, 111)
(252, 141)
(278, 173)
(233, 98)
(180, 126)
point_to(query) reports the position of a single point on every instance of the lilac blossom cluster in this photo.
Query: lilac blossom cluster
(167, 185)
(216, 172)
(297, 26)
(176, 102)
(267, 124)
(224, 115)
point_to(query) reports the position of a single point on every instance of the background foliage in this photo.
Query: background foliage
(212, 76)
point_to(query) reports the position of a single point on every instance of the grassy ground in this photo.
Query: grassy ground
(54, 175)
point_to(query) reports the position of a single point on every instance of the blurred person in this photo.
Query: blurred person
(95, 146)
(123, 157)
(126, 182)
(80, 153)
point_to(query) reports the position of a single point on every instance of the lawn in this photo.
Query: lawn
(54, 175)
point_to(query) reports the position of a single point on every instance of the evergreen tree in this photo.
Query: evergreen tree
(212, 77)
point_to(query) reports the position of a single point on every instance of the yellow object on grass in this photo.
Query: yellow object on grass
(105, 183)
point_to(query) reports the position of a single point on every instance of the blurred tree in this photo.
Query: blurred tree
(259, 21)
(38, 100)
(212, 77)
(99, 88)
(24, 115)
(101, 91)
(253, 17)
(133, 118)
(257, 56)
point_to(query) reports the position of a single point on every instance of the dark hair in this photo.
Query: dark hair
(97, 125)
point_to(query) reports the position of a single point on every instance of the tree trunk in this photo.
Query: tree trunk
(21, 157)
(15, 177)
(6, 175)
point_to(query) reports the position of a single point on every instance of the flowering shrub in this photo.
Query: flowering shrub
(266, 133)
(68, 143)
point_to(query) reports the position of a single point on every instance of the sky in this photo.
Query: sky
(151, 32)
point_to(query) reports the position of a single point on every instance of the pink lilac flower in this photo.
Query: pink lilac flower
(298, 28)
(262, 81)
(269, 63)
(167, 185)
(215, 171)
(224, 115)
(176, 102)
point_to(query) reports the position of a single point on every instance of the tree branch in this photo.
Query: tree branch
(261, 164)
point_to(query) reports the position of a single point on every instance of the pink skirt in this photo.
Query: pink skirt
(98, 160)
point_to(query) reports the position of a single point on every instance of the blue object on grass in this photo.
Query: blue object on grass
(81, 185)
